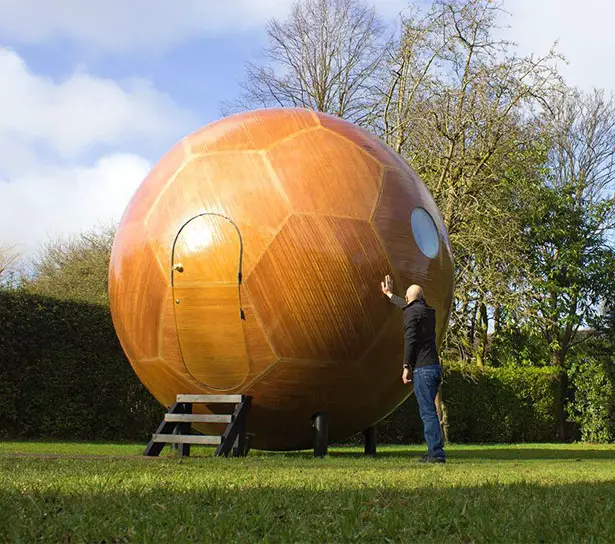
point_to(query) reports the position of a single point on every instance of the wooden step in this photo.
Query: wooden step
(187, 439)
(199, 418)
(205, 399)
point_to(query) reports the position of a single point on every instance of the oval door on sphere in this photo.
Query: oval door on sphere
(206, 263)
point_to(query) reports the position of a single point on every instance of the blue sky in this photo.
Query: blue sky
(198, 74)
(93, 92)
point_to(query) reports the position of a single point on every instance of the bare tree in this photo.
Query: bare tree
(323, 56)
(583, 152)
(463, 109)
(8, 259)
(74, 268)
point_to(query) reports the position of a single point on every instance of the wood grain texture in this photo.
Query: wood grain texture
(209, 399)
(323, 209)
(369, 143)
(391, 221)
(317, 179)
(187, 439)
(139, 298)
(250, 131)
(328, 271)
(198, 418)
(238, 185)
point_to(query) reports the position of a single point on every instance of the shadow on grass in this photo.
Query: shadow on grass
(455, 453)
(512, 454)
(471, 454)
(276, 512)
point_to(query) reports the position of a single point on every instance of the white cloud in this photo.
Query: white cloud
(584, 30)
(58, 201)
(72, 152)
(72, 116)
(116, 25)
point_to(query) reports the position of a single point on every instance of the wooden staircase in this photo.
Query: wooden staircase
(177, 426)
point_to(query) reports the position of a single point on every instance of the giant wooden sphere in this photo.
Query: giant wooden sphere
(314, 212)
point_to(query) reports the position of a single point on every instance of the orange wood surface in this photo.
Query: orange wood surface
(322, 209)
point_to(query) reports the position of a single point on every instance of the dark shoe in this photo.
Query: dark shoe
(432, 459)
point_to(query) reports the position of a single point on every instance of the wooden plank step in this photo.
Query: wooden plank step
(199, 418)
(204, 399)
(187, 439)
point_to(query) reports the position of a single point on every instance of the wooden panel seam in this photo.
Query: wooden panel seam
(380, 192)
(290, 137)
(219, 152)
(276, 182)
(380, 164)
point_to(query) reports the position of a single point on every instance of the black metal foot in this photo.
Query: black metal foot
(370, 440)
(320, 422)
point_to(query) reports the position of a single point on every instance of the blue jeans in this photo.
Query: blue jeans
(426, 381)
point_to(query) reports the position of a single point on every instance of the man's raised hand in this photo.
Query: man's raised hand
(387, 285)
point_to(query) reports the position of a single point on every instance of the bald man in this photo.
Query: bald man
(421, 364)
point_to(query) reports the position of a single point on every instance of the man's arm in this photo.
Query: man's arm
(397, 300)
(409, 336)
(409, 340)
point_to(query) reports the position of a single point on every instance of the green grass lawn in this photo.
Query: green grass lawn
(74, 492)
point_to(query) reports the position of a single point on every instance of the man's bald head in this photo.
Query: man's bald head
(414, 292)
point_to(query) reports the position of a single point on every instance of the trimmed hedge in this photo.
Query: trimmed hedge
(506, 404)
(63, 374)
(593, 404)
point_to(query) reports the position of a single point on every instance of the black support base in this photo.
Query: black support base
(370, 441)
(320, 422)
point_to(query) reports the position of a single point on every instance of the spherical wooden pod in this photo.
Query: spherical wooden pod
(313, 212)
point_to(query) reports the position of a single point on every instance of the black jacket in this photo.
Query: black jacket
(419, 333)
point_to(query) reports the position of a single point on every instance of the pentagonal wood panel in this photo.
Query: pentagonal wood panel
(369, 143)
(339, 390)
(206, 262)
(330, 387)
(324, 173)
(137, 289)
(316, 288)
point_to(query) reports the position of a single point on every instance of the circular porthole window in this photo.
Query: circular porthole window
(425, 232)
